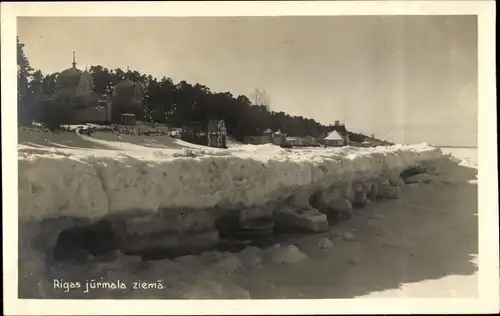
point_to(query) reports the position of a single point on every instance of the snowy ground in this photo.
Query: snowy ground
(422, 245)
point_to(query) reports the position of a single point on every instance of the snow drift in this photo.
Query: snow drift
(135, 199)
(92, 185)
(108, 209)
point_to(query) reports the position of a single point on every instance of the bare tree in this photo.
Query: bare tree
(260, 97)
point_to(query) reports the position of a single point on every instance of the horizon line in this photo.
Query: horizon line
(455, 146)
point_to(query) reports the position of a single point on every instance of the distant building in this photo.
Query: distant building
(73, 91)
(294, 141)
(256, 139)
(99, 114)
(336, 139)
(127, 97)
(310, 141)
(265, 138)
(127, 119)
(337, 136)
(217, 134)
(74, 86)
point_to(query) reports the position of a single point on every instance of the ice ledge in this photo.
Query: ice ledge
(94, 185)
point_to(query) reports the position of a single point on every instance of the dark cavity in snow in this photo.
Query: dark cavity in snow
(405, 174)
(234, 238)
(80, 243)
(94, 241)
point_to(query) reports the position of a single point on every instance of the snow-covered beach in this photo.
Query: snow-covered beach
(403, 246)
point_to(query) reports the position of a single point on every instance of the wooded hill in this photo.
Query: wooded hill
(176, 104)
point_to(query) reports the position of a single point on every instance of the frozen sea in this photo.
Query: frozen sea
(466, 153)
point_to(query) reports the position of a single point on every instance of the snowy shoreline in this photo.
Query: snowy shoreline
(55, 183)
(142, 198)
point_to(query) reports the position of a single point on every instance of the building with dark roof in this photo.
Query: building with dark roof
(127, 97)
(265, 137)
(73, 99)
(74, 83)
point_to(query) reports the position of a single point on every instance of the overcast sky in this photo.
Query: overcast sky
(411, 77)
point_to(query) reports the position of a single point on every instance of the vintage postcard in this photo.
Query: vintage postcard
(249, 157)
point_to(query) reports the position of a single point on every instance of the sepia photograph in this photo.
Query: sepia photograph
(250, 157)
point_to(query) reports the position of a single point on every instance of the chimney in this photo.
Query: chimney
(337, 123)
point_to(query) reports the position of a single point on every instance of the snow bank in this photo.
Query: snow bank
(96, 184)
(172, 198)
(141, 199)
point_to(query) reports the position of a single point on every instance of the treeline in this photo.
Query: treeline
(176, 104)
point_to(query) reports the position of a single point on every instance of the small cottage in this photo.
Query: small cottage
(310, 141)
(127, 119)
(294, 141)
(265, 138)
(335, 139)
(217, 134)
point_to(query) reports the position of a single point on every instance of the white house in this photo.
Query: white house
(335, 139)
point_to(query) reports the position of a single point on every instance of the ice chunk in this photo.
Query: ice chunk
(251, 256)
(308, 219)
(390, 192)
(397, 182)
(341, 205)
(211, 256)
(341, 208)
(348, 236)
(286, 255)
(228, 265)
(325, 243)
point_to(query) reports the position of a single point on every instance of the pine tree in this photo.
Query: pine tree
(24, 93)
